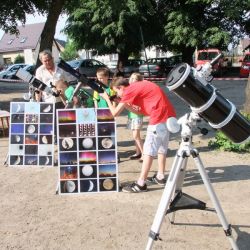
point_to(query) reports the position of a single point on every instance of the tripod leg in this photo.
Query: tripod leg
(227, 227)
(165, 200)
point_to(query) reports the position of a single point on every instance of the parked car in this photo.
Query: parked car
(159, 67)
(207, 55)
(30, 68)
(245, 65)
(131, 66)
(86, 67)
(112, 65)
(10, 72)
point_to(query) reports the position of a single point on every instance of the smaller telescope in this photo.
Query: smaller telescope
(93, 84)
(37, 84)
(192, 86)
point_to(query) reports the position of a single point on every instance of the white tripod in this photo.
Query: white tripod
(172, 198)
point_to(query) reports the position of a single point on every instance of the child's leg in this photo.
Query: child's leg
(138, 141)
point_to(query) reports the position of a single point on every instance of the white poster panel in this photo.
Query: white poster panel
(87, 149)
(31, 140)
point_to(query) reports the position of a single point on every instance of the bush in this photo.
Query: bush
(19, 59)
(222, 142)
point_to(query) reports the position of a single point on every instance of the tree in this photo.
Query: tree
(247, 101)
(112, 27)
(70, 51)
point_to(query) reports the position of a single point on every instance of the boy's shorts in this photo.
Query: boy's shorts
(135, 123)
(157, 139)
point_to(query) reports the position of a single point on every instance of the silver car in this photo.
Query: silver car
(86, 67)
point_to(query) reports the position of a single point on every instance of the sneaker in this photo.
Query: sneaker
(135, 188)
(135, 157)
(155, 180)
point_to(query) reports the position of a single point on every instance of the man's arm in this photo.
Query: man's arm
(114, 110)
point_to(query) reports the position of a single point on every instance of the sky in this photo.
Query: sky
(39, 19)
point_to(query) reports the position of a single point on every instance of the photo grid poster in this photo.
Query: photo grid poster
(87, 151)
(31, 139)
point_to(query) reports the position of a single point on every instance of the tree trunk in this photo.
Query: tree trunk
(49, 29)
(247, 102)
(187, 55)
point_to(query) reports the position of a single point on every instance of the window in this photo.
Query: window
(23, 39)
(10, 41)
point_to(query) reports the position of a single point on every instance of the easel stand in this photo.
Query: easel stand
(173, 199)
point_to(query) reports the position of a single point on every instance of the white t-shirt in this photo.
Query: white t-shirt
(47, 77)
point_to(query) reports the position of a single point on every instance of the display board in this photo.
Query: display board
(31, 140)
(87, 151)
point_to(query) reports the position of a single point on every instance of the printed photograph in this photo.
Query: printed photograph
(88, 186)
(32, 107)
(16, 139)
(17, 128)
(31, 118)
(87, 115)
(45, 149)
(30, 160)
(17, 118)
(31, 128)
(31, 139)
(17, 107)
(108, 184)
(106, 129)
(66, 116)
(45, 139)
(86, 130)
(46, 108)
(69, 172)
(46, 118)
(45, 160)
(87, 157)
(88, 171)
(107, 171)
(104, 115)
(31, 150)
(67, 130)
(68, 158)
(46, 129)
(16, 160)
(106, 157)
(69, 186)
(16, 149)
(88, 143)
(68, 144)
(106, 143)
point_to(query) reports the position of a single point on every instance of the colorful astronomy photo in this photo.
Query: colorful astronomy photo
(87, 151)
(31, 139)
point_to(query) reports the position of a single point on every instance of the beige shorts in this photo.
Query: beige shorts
(157, 139)
(135, 123)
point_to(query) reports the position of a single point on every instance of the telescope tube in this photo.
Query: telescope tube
(208, 103)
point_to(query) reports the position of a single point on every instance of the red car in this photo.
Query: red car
(245, 65)
(207, 55)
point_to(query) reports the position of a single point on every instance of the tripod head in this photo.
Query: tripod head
(187, 123)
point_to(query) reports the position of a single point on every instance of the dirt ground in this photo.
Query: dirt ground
(34, 217)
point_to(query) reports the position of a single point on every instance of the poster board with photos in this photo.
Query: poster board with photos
(87, 151)
(31, 140)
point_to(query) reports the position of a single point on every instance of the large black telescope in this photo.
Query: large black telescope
(193, 87)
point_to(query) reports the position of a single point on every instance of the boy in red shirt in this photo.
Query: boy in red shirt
(147, 98)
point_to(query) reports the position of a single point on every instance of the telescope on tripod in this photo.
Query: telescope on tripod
(193, 86)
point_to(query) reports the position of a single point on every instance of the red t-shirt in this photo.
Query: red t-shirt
(151, 100)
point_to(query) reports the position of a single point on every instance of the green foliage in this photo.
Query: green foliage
(19, 59)
(70, 51)
(222, 142)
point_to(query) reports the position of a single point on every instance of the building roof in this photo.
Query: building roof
(27, 38)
